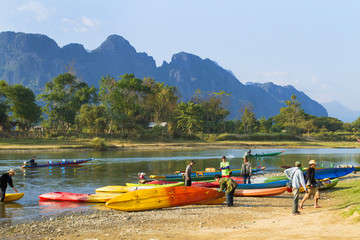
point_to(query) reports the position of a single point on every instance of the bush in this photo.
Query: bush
(98, 144)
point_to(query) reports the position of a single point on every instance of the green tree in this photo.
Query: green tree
(290, 117)
(123, 100)
(249, 123)
(92, 118)
(214, 109)
(265, 125)
(160, 103)
(356, 125)
(190, 117)
(4, 107)
(64, 96)
(23, 107)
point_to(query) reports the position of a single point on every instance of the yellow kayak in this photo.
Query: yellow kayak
(154, 185)
(11, 197)
(125, 189)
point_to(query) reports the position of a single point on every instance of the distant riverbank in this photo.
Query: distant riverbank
(85, 144)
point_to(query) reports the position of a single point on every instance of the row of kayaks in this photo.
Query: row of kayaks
(139, 197)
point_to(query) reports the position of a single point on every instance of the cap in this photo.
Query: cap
(297, 163)
(223, 157)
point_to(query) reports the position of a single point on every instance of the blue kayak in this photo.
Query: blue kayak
(275, 184)
(332, 172)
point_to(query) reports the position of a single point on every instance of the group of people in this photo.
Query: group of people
(226, 183)
(294, 174)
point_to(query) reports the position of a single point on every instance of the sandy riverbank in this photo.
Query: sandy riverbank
(250, 218)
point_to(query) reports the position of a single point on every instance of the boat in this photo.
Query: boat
(264, 154)
(276, 184)
(12, 197)
(62, 162)
(324, 173)
(325, 184)
(197, 176)
(78, 197)
(155, 198)
(124, 189)
(265, 192)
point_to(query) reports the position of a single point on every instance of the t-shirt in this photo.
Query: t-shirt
(6, 179)
(225, 168)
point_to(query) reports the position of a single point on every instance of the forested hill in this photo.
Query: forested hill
(34, 59)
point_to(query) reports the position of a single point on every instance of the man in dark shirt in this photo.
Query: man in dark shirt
(32, 161)
(187, 175)
(6, 179)
(311, 185)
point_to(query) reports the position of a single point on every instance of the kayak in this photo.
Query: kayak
(148, 199)
(62, 162)
(324, 173)
(325, 184)
(264, 154)
(124, 189)
(265, 192)
(78, 197)
(200, 175)
(11, 197)
(214, 202)
(275, 184)
(153, 184)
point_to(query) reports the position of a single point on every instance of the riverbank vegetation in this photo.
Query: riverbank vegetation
(134, 110)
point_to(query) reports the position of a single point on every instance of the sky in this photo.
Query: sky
(311, 45)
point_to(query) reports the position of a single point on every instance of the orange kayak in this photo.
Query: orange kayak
(148, 199)
(263, 192)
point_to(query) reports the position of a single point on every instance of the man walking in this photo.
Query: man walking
(6, 179)
(296, 176)
(187, 175)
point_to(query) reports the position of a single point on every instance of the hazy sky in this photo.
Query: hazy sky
(312, 45)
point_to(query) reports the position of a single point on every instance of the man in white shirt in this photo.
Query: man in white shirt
(297, 177)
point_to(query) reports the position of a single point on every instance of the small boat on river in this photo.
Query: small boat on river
(264, 154)
(62, 162)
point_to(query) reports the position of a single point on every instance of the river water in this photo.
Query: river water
(119, 167)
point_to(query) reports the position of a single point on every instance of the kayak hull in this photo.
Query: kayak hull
(125, 189)
(12, 197)
(259, 192)
(155, 198)
(77, 197)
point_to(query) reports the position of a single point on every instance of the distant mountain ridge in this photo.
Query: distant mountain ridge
(34, 59)
(336, 110)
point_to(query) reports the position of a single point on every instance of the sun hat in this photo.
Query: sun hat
(12, 171)
(297, 163)
(312, 162)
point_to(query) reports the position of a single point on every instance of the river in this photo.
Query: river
(119, 167)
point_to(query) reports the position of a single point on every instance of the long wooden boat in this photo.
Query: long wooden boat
(12, 197)
(264, 154)
(265, 192)
(155, 198)
(78, 197)
(198, 176)
(329, 183)
(62, 162)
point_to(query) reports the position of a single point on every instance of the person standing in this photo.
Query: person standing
(6, 179)
(225, 167)
(296, 176)
(246, 170)
(312, 185)
(229, 185)
(187, 175)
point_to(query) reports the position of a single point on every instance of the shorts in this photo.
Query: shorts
(313, 192)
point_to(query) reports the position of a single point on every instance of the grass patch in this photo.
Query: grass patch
(349, 195)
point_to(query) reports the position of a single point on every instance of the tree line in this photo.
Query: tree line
(126, 105)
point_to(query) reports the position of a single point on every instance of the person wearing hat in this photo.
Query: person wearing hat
(312, 185)
(225, 167)
(6, 179)
(187, 174)
(229, 185)
(296, 176)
